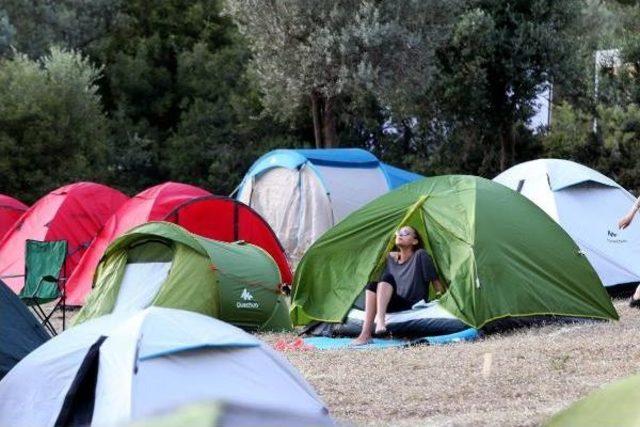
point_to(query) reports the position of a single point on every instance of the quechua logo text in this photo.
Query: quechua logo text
(247, 300)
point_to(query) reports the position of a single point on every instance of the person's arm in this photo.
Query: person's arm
(440, 288)
(430, 273)
(626, 220)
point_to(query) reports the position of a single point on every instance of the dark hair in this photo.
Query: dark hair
(417, 236)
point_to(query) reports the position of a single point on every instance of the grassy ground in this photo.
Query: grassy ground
(519, 378)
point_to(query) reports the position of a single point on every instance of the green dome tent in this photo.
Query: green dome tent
(614, 405)
(500, 255)
(162, 264)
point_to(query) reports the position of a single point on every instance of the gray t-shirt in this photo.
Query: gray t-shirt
(413, 276)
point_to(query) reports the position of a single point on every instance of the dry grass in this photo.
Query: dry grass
(519, 378)
(515, 379)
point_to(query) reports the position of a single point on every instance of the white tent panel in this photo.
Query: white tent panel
(536, 189)
(152, 362)
(590, 214)
(140, 285)
(294, 203)
(587, 205)
(248, 378)
(351, 188)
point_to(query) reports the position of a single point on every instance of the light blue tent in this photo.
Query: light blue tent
(303, 193)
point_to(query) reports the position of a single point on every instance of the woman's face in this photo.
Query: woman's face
(406, 237)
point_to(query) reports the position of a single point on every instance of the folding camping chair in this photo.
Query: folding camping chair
(44, 278)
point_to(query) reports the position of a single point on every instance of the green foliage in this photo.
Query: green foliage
(52, 128)
(614, 149)
(325, 55)
(499, 56)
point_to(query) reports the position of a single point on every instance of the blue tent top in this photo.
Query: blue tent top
(341, 157)
(397, 176)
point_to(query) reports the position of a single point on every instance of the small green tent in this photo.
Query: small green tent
(162, 264)
(500, 255)
(615, 405)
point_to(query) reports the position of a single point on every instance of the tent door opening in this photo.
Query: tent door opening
(147, 269)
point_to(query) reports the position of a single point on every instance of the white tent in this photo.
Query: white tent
(107, 372)
(303, 193)
(588, 206)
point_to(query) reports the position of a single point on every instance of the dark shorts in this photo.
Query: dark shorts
(396, 303)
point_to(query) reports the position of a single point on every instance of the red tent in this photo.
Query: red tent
(153, 204)
(215, 217)
(74, 213)
(10, 211)
(222, 218)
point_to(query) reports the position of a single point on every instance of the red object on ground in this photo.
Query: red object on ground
(198, 211)
(296, 345)
(74, 213)
(10, 211)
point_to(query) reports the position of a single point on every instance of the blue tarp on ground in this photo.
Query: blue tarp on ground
(328, 343)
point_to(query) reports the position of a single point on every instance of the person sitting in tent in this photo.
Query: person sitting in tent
(404, 282)
(624, 222)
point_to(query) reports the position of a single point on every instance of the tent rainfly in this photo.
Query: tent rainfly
(500, 255)
(10, 211)
(213, 217)
(221, 414)
(614, 405)
(20, 331)
(74, 213)
(111, 371)
(587, 205)
(303, 193)
(162, 264)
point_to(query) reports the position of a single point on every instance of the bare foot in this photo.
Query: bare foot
(381, 327)
(361, 340)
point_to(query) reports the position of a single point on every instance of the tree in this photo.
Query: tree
(52, 128)
(326, 54)
(499, 56)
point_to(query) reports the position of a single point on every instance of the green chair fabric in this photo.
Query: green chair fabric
(43, 266)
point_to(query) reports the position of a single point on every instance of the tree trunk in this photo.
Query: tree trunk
(504, 150)
(316, 102)
(329, 132)
(507, 146)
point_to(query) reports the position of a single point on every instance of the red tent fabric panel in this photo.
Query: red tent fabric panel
(10, 211)
(74, 213)
(153, 204)
(228, 220)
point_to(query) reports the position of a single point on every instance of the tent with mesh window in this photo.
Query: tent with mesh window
(500, 255)
(162, 264)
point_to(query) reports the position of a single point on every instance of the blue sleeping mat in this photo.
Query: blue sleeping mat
(328, 343)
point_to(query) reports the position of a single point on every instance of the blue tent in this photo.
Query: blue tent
(302, 193)
(339, 157)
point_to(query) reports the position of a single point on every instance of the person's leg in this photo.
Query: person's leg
(383, 296)
(369, 316)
